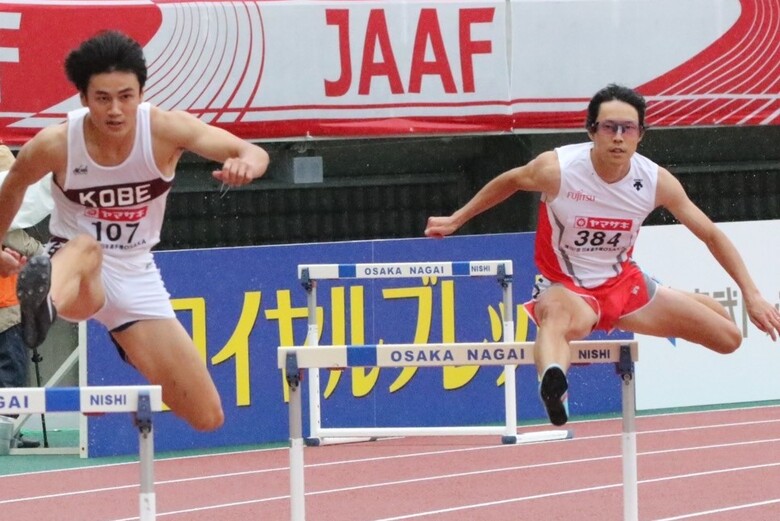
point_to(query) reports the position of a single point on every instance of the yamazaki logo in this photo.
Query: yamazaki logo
(429, 56)
(603, 223)
(116, 214)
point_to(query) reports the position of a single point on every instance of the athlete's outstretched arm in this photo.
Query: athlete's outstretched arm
(242, 162)
(542, 174)
(671, 195)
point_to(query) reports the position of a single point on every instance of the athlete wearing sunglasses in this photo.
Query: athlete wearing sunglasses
(612, 128)
(595, 197)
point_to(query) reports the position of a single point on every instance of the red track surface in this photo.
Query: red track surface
(722, 465)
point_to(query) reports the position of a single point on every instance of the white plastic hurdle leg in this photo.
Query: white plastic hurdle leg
(141, 400)
(143, 421)
(622, 353)
(625, 368)
(297, 489)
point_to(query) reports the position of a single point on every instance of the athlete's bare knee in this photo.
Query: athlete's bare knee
(93, 250)
(556, 315)
(728, 340)
(90, 251)
(552, 312)
(83, 242)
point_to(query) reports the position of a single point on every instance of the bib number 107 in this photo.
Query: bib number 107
(114, 232)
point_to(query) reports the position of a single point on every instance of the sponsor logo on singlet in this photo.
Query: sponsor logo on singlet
(117, 214)
(579, 195)
(115, 196)
(118, 196)
(603, 223)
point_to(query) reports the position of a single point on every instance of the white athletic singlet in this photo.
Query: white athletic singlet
(587, 232)
(121, 206)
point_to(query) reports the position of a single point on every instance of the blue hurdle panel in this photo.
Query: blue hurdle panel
(447, 354)
(95, 399)
(400, 270)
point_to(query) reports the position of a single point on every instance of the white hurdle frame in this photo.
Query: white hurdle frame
(623, 353)
(141, 400)
(309, 274)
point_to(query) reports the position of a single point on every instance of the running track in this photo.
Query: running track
(718, 465)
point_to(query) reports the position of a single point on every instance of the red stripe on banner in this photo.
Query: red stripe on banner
(539, 120)
(770, 116)
(676, 112)
(747, 112)
(742, 61)
(371, 127)
(377, 106)
(711, 112)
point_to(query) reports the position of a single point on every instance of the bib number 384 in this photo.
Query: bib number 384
(597, 238)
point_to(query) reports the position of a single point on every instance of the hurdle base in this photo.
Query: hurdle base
(538, 437)
(43, 451)
(318, 442)
(336, 436)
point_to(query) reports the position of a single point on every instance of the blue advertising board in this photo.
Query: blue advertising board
(240, 304)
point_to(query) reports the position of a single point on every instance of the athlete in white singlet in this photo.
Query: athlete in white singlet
(113, 163)
(122, 208)
(587, 231)
(595, 196)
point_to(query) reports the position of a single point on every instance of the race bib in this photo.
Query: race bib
(598, 234)
(116, 228)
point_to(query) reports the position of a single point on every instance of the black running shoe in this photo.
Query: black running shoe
(553, 393)
(32, 290)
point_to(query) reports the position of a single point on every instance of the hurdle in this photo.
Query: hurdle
(623, 353)
(141, 400)
(501, 270)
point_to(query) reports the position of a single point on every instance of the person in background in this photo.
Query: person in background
(14, 355)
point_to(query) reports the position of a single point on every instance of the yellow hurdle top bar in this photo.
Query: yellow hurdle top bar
(401, 270)
(94, 399)
(439, 355)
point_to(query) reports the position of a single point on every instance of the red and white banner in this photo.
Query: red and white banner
(308, 68)
(698, 62)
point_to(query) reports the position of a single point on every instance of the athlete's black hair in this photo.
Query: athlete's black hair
(107, 51)
(615, 92)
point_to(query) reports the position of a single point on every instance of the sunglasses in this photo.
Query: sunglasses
(611, 128)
